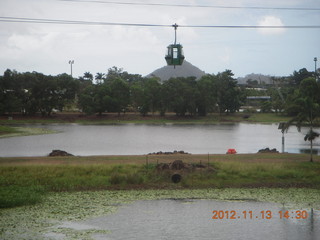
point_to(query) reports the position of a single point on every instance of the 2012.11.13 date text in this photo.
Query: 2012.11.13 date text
(263, 214)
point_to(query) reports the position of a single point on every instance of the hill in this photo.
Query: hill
(185, 70)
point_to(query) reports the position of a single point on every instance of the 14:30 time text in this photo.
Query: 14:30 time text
(264, 214)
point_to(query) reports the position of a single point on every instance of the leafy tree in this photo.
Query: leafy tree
(32, 92)
(228, 94)
(67, 89)
(120, 95)
(277, 98)
(87, 100)
(252, 83)
(115, 72)
(102, 99)
(207, 100)
(153, 86)
(145, 95)
(138, 98)
(180, 95)
(299, 76)
(10, 92)
(266, 107)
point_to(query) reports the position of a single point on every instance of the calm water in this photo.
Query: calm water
(192, 219)
(142, 139)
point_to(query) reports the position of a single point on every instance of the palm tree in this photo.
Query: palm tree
(99, 77)
(310, 136)
(306, 109)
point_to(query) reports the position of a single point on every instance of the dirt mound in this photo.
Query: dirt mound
(59, 153)
(268, 150)
(179, 165)
(167, 153)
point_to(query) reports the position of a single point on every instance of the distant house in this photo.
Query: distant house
(255, 101)
(255, 78)
(258, 98)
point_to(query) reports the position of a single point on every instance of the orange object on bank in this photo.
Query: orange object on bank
(231, 151)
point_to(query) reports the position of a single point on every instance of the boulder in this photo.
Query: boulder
(58, 153)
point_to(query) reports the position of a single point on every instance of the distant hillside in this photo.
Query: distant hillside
(258, 77)
(185, 70)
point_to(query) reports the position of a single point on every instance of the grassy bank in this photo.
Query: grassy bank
(27, 180)
(112, 118)
(5, 130)
(9, 131)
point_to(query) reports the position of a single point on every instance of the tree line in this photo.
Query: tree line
(119, 91)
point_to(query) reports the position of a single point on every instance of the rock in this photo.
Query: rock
(267, 150)
(168, 153)
(58, 153)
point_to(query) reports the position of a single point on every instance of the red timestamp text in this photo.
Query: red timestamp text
(263, 214)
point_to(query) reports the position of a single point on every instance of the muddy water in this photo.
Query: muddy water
(193, 219)
(129, 139)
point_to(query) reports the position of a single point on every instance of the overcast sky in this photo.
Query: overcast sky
(47, 48)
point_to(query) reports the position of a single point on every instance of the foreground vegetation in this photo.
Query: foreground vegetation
(28, 180)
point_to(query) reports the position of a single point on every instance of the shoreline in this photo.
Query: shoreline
(113, 118)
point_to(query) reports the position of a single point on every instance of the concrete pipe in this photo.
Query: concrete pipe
(176, 178)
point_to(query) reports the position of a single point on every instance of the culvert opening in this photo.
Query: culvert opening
(176, 178)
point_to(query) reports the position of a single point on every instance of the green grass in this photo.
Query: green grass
(263, 174)
(13, 196)
(7, 130)
(26, 184)
(268, 118)
(211, 118)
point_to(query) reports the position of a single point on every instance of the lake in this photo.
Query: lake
(136, 139)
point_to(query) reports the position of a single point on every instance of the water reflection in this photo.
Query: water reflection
(192, 219)
(142, 139)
